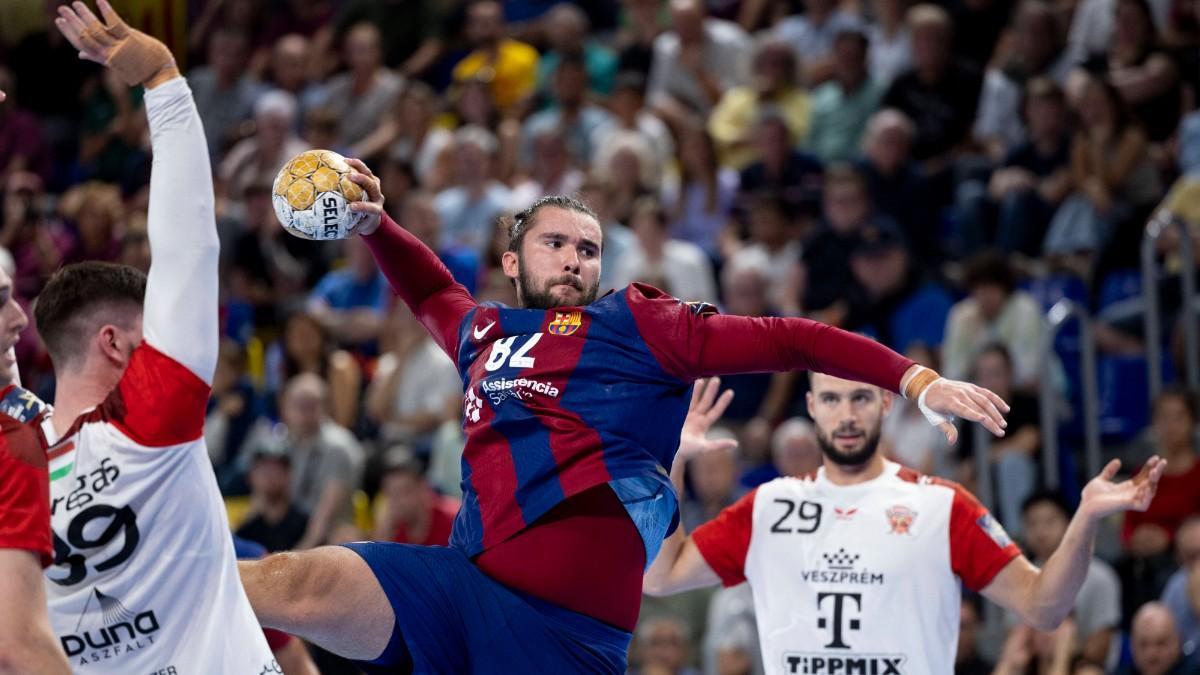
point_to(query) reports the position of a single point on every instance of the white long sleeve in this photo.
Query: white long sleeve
(180, 316)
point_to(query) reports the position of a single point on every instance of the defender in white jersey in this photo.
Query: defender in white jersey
(144, 578)
(857, 569)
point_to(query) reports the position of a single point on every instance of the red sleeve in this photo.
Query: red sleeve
(24, 491)
(979, 546)
(423, 282)
(692, 341)
(724, 541)
(159, 402)
(276, 640)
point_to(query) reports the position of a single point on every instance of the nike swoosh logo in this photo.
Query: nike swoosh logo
(479, 333)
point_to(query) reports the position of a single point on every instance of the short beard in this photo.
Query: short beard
(857, 458)
(535, 299)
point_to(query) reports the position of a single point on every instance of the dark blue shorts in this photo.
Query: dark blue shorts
(453, 618)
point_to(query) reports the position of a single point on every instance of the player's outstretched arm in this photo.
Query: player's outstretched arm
(679, 565)
(27, 644)
(414, 271)
(692, 344)
(1043, 598)
(180, 316)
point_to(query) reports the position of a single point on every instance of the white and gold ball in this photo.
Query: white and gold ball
(312, 196)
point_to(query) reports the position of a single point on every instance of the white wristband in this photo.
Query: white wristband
(933, 417)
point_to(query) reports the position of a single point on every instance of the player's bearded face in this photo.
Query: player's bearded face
(850, 443)
(559, 290)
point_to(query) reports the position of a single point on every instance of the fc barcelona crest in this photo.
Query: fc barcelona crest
(565, 323)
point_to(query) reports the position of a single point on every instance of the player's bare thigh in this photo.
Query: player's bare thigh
(328, 596)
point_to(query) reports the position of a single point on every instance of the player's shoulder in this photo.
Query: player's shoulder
(789, 485)
(936, 485)
(639, 293)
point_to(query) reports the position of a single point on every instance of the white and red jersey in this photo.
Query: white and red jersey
(861, 578)
(144, 578)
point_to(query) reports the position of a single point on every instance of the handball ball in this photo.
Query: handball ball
(312, 196)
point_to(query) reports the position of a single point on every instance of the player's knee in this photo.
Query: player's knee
(283, 587)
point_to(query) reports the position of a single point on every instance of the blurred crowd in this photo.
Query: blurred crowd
(933, 175)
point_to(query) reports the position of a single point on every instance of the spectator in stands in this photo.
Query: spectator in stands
(695, 63)
(234, 408)
(327, 460)
(773, 82)
(641, 24)
(410, 135)
(274, 520)
(795, 450)
(626, 104)
(1113, 174)
(1036, 51)
(680, 266)
(848, 209)
(37, 243)
(896, 183)
(1033, 179)
(22, 146)
(967, 660)
(290, 71)
(419, 216)
(572, 115)
(266, 264)
(775, 251)
(415, 388)
(1155, 643)
(351, 302)
(1142, 70)
(978, 26)
(596, 192)
(1182, 594)
(223, 90)
(662, 647)
(628, 164)
(469, 208)
(843, 106)
(714, 483)
(1014, 458)
(731, 645)
(891, 41)
(701, 201)
(994, 311)
(812, 34)
(568, 34)
(781, 169)
(1027, 650)
(97, 214)
(408, 511)
(1097, 609)
(258, 158)
(892, 299)
(939, 94)
(1174, 431)
(307, 348)
(549, 170)
(508, 66)
(362, 96)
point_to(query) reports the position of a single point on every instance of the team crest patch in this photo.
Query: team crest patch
(901, 519)
(565, 323)
(994, 530)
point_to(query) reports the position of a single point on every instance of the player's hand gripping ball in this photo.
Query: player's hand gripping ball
(312, 196)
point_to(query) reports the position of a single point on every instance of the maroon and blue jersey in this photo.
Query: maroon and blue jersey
(559, 401)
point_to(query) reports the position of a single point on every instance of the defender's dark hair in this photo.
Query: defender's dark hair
(525, 219)
(79, 294)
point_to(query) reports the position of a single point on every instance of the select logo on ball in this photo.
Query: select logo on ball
(312, 195)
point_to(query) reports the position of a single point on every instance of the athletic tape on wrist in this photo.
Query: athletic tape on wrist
(933, 417)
